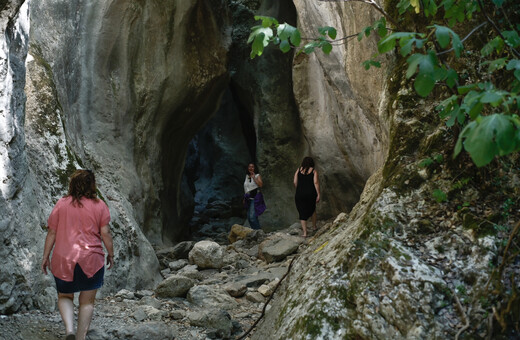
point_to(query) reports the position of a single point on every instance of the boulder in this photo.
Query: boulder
(174, 286)
(211, 297)
(278, 247)
(218, 319)
(207, 254)
(238, 232)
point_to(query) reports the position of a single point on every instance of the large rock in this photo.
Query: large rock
(211, 297)
(174, 286)
(238, 232)
(278, 247)
(207, 254)
(218, 319)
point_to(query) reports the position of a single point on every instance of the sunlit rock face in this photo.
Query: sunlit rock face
(122, 87)
(136, 80)
(117, 87)
(18, 232)
(342, 105)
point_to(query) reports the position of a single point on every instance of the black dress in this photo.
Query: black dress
(306, 194)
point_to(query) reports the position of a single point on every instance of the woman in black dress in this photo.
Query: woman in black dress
(307, 192)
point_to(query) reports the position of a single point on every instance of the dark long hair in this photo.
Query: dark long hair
(307, 163)
(247, 168)
(82, 184)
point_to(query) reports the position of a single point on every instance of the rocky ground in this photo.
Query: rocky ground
(210, 291)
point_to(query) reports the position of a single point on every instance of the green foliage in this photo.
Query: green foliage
(461, 183)
(438, 158)
(286, 37)
(487, 111)
(439, 195)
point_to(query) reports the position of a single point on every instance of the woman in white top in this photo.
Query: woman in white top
(252, 183)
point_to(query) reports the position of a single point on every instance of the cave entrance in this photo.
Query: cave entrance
(215, 167)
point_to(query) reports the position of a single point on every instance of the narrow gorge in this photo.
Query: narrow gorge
(163, 102)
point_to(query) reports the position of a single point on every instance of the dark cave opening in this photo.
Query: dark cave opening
(215, 165)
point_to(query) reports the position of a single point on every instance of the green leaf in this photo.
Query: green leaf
(406, 44)
(455, 116)
(492, 97)
(457, 44)
(498, 3)
(425, 162)
(403, 6)
(425, 80)
(439, 73)
(285, 46)
(452, 77)
(267, 21)
(387, 44)
(460, 141)
(296, 37)
(366, 31)
(514, 64)
(497, 44)
(331, 31)
(488, 137)
(494, 65)
(438, 158)
(309, 48)
(443, 35)
(430, 8)
(475, 110)
(326, 47)
(512, 38)
(466, 88)
(258, 46)
(424, 83)
(286, 32)
(413, 62)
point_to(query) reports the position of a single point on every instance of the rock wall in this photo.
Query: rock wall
(122, 87)
(136, 81)
(401, 264)
(342, 106)
(18, 231)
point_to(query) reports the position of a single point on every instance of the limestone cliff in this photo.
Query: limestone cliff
(122, 87)
(125, 88)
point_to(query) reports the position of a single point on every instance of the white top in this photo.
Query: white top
(249, 184)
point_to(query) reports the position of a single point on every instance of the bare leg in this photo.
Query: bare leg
(86, 309)
(314, 220)
(66, 307)
(304, 227)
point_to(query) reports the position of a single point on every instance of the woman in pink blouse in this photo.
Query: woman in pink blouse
(77, 226)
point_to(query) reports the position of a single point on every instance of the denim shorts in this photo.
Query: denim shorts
(80, 282)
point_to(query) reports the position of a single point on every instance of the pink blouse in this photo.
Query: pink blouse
(78, 236)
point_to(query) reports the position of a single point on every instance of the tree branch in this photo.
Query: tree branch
(465, 38)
